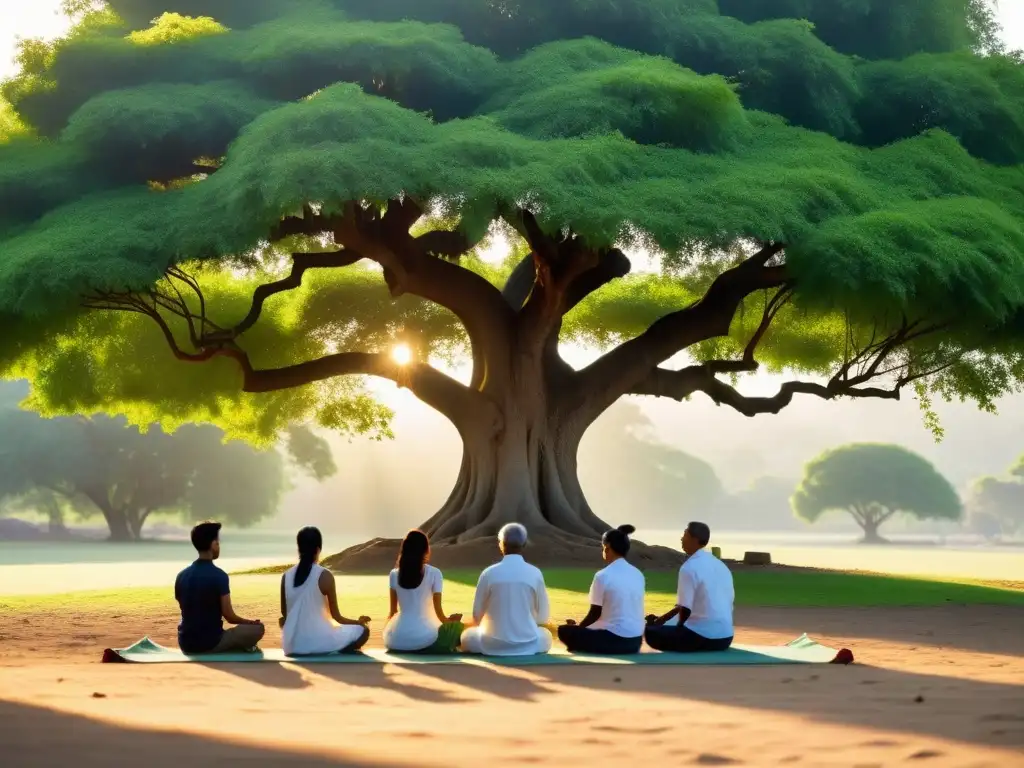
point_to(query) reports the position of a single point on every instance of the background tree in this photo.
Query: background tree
(101, 466)
(288, 190)
(640, 479)
(872, 483)
(995, 506)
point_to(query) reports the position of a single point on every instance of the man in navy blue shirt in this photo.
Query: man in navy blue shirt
(204, 595)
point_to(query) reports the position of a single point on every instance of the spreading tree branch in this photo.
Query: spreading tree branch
(300, 263)
(465, 407)
(861, 367)
(624, 368)
(424, 266)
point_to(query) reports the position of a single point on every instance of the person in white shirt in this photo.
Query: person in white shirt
(309, 602)
(510, 605)
(702, 618)
(615, 623)
(417, 623)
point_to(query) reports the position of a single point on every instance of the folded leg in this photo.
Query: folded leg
(244, 637)
(448, 638)
(597, 641)
(355, 639)
(544, 640)
(471, 642)
(683, 640)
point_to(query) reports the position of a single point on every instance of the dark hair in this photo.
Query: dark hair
(204, 534)
(700, 532)
(411, 559)
(309, 541)
(617, 539)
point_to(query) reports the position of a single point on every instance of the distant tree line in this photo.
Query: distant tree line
(996, 505)
(101, 467)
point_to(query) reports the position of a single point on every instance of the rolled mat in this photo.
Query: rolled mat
(803, 650)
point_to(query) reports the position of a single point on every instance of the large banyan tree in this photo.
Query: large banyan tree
(236, 210)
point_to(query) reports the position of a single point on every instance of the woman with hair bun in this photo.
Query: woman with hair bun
(615, 623)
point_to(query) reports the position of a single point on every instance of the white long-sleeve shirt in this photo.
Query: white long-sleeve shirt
(511, 601)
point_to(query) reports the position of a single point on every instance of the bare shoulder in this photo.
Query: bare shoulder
(326, 580)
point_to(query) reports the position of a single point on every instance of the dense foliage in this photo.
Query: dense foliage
(874, 482)
(829, 189)
(102, 467)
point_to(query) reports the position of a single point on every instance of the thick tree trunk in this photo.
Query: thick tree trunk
(871, 535)
(117, 522)
(870, 519)
(135, 519)
(116, 519)
(525, 471)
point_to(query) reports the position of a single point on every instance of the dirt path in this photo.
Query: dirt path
(935, 687)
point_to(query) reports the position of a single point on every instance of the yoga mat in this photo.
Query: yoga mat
(803, 650)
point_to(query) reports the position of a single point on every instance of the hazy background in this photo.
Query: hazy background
(384, 488)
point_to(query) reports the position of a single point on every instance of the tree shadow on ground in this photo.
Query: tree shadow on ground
(516, 684)
(388, 677)
(296, 676)
(271, 675)
(41, 738)
(858, 695)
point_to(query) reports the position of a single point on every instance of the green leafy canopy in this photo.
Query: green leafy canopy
(866, 478)
(166, 133)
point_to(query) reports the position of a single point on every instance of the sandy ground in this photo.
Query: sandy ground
(934, 687)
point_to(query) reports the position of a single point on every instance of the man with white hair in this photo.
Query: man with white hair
(510, 605)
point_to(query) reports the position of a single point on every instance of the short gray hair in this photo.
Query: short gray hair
(513, 535)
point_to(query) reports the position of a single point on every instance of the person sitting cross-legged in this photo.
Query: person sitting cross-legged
(417, 623)
(309, 602)
(203, 592)
(615, 623)
(702, 618)
(510, 605)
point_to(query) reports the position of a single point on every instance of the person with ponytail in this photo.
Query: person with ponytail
(417, 622)
(309, 602)
(615, 623)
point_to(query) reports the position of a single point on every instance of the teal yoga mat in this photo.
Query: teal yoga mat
(803, 650)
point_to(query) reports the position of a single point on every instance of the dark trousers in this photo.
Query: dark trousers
(679, 639)
(587, 640)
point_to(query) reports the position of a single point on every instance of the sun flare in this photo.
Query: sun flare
(401, 354)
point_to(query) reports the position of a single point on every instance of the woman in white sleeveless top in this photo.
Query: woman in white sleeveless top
(309, 602)
(416, 622)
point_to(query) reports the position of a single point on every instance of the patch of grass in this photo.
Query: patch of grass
(793, 588)
(568, 592)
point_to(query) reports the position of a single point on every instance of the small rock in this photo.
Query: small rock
(918, 699)
(616, 679)
(708, 758)
(99, 695)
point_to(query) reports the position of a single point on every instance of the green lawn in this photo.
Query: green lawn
(568, 588)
